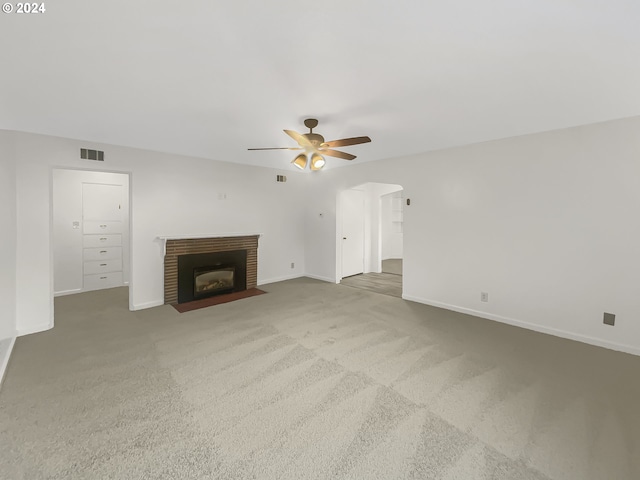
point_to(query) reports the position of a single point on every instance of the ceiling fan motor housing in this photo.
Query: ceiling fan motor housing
(315, 139)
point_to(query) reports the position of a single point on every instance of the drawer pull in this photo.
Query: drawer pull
(103, 278)
(102, 251)
(103, 226)
(103, 264)
(103, 239)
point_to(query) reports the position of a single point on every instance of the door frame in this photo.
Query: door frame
(130, 285)
(367, 212)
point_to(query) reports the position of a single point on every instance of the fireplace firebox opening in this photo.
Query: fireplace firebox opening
(202, 275)
(213, 280)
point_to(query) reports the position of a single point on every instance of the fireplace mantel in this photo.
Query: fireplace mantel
(207, 235)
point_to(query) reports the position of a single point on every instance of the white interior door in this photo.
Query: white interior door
(352, 232)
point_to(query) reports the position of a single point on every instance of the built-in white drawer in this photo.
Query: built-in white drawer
(103, 266)
(106, 253)
(89, 241)
(102, 227)
(102, 280)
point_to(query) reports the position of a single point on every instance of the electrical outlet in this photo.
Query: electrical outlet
(293, 265)
(609, 319)
(484, 297)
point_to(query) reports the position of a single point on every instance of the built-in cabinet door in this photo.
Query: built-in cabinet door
(101, 203)
(102, 218)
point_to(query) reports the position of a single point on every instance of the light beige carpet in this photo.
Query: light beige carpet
(312, 381)
(385, 283)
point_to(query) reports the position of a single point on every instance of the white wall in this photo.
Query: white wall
(67, 241)
(170, 195)
(8, 237)
(391, 225)
(547, 224)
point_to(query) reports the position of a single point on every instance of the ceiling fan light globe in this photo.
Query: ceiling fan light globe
(300, 161)
(317, 162)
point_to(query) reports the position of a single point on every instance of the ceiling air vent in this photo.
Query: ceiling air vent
(281, 178)
(88, 154)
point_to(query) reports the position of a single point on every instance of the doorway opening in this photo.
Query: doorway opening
(370, 238)
(91, 234)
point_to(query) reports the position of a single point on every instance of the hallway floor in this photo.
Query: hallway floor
(389, 282)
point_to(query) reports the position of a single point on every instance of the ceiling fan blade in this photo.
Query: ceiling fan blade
(336, 153)
(298, 137)
(277, 148)
(345, 142)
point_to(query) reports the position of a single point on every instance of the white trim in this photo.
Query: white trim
(67, 292)
(82, 290)
(529, 326)
(142, 306)
(42, 327)
(207, 235)
(319, 277)
(279, 279)
(4, 358)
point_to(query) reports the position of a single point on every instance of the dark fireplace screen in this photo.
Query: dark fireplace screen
(203, 275)
(212, 280)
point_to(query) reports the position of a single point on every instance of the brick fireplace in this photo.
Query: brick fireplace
(176, 247)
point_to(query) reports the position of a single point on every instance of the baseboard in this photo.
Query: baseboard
(67, 292)
(82, 290)
(142, 306)
(42, 327)
(5, 353)
(319, 277)
(529, 326)
(279, 279)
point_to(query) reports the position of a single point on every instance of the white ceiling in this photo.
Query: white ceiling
(211, 79)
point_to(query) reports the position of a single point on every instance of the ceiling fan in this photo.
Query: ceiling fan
(315, 147)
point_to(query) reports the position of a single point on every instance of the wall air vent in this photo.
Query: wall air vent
(281, 178)
(88, 154)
